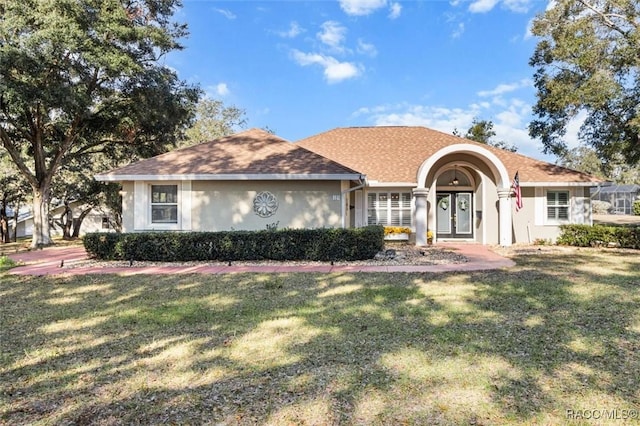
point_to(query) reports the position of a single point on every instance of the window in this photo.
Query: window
(389, 208)
(164, 203)
(105, 222)
(558, 205)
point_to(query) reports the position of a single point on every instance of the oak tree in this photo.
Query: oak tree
(587, 66)
(80, 77)
(482, 131)
(213, 120)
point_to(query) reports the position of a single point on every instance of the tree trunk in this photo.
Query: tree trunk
(66, 220)
(118, 222)
(41, 227)
(4, 222)
(4, 228)
(16, 208)
(77, 223)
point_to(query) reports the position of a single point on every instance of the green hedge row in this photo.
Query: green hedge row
(598, 235)
(286, 244)
(636, 207)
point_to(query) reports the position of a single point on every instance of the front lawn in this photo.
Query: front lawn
(544, 342)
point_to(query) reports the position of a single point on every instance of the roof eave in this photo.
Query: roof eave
(239, 176)
(557, 184)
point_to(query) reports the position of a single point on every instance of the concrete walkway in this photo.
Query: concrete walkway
(56, 261)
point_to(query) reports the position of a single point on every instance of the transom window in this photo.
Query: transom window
(389, 208)
(164, 203)
(558, 205)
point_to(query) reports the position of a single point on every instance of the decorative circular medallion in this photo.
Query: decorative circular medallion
(444, 203)
(265, 204)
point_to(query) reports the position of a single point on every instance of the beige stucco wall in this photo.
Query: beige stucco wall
(226, 205)
(127, 206)
(529, 223)
(219, 206)
(524, 219)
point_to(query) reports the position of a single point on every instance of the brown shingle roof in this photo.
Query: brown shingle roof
(394, 154)
(252, 152)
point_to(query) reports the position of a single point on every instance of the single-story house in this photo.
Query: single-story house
(351, 177)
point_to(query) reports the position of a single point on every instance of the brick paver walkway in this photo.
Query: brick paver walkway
(55, 261)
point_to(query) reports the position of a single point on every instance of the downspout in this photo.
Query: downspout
(362, 182)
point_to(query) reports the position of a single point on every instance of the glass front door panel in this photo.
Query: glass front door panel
(454, 215)
(463, 213)
(443, 218)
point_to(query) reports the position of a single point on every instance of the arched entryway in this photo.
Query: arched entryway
(481, 195)
(454, 204)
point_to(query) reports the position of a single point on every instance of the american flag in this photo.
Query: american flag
(516, 188)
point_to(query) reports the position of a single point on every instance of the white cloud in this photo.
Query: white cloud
(482, 6)
(457, 33)
(293, 31)
(333, 34)
(510, 118)
(510, 121)
(222, 89)
(226, 13)
(503, 88)
(439, 118)
(518, 6)
(217, 91)
(366, 48)
(334, 70)
(395, 9)
(361, 7)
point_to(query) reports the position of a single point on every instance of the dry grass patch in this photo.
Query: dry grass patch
(558, 332)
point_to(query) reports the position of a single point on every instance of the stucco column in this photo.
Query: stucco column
(504, 207)
(420, 197)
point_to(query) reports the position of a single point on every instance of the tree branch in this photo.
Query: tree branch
(70, 137)
(14, 153)
(606, 17)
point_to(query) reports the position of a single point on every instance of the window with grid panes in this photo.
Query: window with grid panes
(558, 205)
(389, 208)
(164, 203)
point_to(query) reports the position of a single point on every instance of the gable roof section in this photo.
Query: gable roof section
(252, 154)
(395, 154)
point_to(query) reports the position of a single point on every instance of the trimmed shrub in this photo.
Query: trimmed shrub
(287, 244)
(636, 207)
(600, 235)
(600, 207)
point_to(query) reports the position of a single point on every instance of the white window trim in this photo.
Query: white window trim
(569, 206)
(142, 207)
(408, 211)
(164, 226)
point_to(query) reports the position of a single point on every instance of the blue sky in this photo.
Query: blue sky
(304, 67)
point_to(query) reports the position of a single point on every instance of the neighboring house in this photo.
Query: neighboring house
(351, 177)
(100, 219)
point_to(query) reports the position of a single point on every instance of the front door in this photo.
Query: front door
(454, 218)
